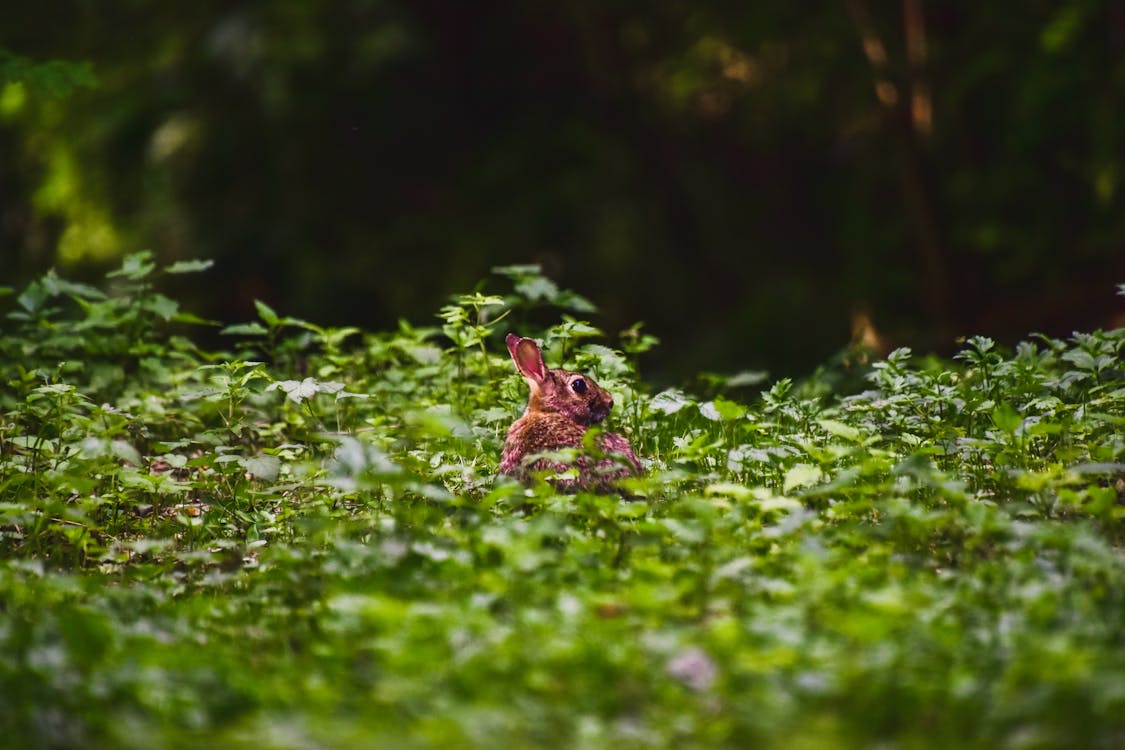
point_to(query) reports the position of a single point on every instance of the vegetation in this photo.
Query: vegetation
(302, 541)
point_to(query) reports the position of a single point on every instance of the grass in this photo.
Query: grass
(303, 541)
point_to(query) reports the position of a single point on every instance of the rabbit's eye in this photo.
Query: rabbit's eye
(578, 385)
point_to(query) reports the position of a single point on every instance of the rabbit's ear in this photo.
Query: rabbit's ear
(529, 360)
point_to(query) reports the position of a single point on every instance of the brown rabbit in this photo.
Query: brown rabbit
(562, 406)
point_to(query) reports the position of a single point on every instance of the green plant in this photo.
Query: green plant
(305, 540)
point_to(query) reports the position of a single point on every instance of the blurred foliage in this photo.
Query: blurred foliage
(758, 181)
(302, 541)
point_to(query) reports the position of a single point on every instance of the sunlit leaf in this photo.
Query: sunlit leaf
(263, 467)
(135, 266)
(164, 307)
(669, 401)
(537, 288)
(297, 390)
(801, 475)
(245, 329)
(266, 313)
(189, 266)
(839, 429)
(727, 410)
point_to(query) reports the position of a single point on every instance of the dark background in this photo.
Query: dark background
(761, 182)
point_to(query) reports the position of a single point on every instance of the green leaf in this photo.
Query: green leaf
(729, 410)
(722, 410)
(778, 502)
(164, 307)
(33, 297)
(301, 390)
(576, 303)
(514, 271)
(425, 354)
(1080, 359)
(839, 429)
(192, 318)
(537, 288)
(245, 329)
(135, 266)
(189, 266)
(669, 401)
(1006, 418)
(729, 489)
(54, 285)
(54, 78)
(801, 475)
(981, 344)
(266, 313)
(126, 452)
(263, 467)
(747, 378)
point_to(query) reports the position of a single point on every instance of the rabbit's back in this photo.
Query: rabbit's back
(544, 433)
(538, 433)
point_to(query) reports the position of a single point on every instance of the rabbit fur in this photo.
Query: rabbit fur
(562, 406)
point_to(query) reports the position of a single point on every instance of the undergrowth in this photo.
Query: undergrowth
(303, 541)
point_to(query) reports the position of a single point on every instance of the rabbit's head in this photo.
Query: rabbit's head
(571, 394)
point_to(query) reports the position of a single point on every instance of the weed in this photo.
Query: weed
(304, 540)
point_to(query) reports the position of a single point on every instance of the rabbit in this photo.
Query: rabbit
(562, 406)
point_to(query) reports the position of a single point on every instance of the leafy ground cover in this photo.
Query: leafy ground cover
(303, 542)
